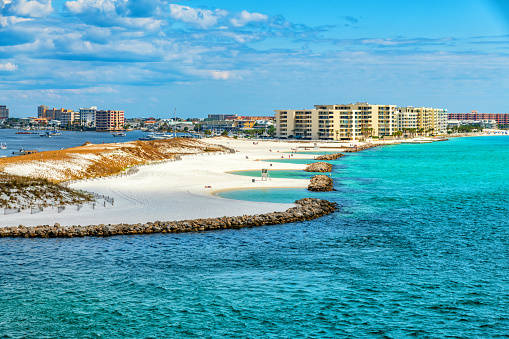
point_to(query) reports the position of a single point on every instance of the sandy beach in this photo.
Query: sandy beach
(182, 189)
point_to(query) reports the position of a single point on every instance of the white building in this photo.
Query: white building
(87, 116)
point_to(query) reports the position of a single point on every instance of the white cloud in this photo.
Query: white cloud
(10, 20)
(106, 10)
(34, 9)
(81, 6)
(245, 17)
(202, 18)
(9, 67)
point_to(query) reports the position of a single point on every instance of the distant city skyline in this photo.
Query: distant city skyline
(147, 57)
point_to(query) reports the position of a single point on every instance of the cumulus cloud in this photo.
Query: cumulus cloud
(8, 67)
(202, 18)
(81, 6)
(244, 18)
(109, 13)
(33, 9)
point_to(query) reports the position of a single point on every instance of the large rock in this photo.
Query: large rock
(320, 183)
(319, 167)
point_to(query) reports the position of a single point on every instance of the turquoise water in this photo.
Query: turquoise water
(292, 161)
(285, 195)
(419, 248)
(290, 174)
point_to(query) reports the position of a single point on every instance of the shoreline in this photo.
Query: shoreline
(185, 189)
(177, 190)
(305, 209)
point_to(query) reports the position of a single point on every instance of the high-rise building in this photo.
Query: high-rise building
(337, 122)
(357, 121)
(109, 120)
(41, 111)
(424, 119)
(500, 118)
(4, 112)
(68, 117)
(50, 114)
(87, 116)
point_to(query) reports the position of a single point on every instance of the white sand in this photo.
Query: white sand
(177, 190)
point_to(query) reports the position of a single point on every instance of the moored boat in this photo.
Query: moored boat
(22, 151)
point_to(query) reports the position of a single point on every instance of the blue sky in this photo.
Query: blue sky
(251, 57)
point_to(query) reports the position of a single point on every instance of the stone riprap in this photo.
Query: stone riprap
(361, 148)
(320, 183)
(306, 209)
(319, 167)
(333, 156)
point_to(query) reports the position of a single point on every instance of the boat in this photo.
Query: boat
(22, 151)
(119, 134)
(27, 133)
(47, 135)
(3, 145)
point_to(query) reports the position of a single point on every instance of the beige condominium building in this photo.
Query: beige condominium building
(337, 122)
(422, 119)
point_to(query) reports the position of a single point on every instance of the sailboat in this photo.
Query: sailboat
(174, 122)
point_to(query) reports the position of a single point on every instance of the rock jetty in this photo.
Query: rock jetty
(359, 148)
(333, 156)
(320, 183)
(319, 167)
(306, 209)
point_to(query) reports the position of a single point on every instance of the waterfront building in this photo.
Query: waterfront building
(40, 121)
(87, 116)
(4, 112)
(255, 118)
(500, 118)
(69, 117)
(41, 111)
(222, 116)
(482, 123)
(109, 120)
(358, 121)
(406, 119)
(218, 126)
(134, 122)
(337, 122)
(244, 124)
(50, 114)
(422, 119)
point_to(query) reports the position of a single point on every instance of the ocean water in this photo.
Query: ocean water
(291, 174)
(68, 139)
(419, 248)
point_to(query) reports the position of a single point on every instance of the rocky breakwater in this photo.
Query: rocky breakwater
(359, 148)
(305, 209)
(319, 167)
(320, 183)
(333, 156)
